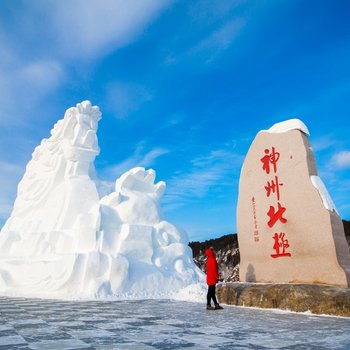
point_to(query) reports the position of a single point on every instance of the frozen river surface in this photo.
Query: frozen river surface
(159, 324)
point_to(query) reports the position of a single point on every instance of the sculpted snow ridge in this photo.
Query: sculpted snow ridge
(62, 240)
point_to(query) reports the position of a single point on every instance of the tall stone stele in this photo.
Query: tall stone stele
(288, 228)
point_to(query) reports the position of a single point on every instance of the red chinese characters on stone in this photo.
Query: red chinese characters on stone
(280, 245)
(275, 215)
(274, 187)
(270, 157)
(269, 161)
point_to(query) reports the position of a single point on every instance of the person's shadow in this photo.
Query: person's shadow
(250, 275)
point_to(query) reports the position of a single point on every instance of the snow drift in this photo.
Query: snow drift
(62, 240)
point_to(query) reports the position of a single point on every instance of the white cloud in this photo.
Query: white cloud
(139, 158)
(123, 99)
(217, 168)
(25, 85)
(91, 28)
(341, 159)
(213, 45)
(213, 11)
(42, 75)
(221, 38)
(323, 142)
(174, 120)
(36, 55)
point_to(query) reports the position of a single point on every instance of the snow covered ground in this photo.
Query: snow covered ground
(161, 324)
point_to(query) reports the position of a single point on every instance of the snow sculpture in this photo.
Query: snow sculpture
(288, 227)
(61, 240)
(149, 249)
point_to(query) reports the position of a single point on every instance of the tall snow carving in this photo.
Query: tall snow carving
(62, 240)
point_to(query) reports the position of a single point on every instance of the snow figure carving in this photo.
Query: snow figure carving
(61, 240)
(151, 252)
(288, 227)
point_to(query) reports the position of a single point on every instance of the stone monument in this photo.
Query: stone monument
(289, 230)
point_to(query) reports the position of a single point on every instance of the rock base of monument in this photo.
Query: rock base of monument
(317, 299)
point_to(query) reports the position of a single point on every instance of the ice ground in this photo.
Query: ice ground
(161, 324)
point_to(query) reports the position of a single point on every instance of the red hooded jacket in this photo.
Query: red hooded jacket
(212, 268)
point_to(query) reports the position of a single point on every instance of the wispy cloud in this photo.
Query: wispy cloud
(218, 169)
(25, 84)
(80, 29)
(172, 121)
(96, 27)
(207, 48)
(139, 158)
(42, 74)
(124, 98)
(215, 27)
(25, 80)
(211, 12)
(323, 142)
(341, 159)
(69, 33)
(219, 40)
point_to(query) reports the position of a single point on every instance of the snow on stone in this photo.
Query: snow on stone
(297, 124)
(62, 240)
(322, 190)
(291, 124)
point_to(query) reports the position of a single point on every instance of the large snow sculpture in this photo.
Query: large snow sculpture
(48, 214)
(153, 256)
(61, 240)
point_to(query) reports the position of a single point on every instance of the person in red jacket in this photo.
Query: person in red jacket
(212, 279)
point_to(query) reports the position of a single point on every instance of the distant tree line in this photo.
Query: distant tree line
(224, 242)
(230, 242)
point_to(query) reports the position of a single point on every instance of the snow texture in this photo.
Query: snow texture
(322, 190)
(62, 240)
(287, 125)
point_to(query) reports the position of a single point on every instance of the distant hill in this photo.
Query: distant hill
(227, 253)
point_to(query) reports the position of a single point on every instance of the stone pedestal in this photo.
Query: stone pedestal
(318, 299)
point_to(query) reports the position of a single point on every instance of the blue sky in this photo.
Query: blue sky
(184, 86)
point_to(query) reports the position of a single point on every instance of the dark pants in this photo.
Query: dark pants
(211, 294)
